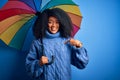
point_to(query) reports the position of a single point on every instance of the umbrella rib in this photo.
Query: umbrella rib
(23, 39)
(14, 33)
(45, 6)
(16, 21)
(24, 18)
(35, 4)
(17, 4)
(23, 15)
(26, 12)
(13, 13)
(75, 14)
(18, 9)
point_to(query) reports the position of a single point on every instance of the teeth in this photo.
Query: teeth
(53, 29)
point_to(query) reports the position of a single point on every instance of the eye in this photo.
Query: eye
(49, 22)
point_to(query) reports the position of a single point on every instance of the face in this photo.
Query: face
(53, 25)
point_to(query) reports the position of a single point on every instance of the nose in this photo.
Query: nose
(53, 24)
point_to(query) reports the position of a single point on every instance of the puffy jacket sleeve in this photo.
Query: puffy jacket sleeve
(32, 61)
(79, 57)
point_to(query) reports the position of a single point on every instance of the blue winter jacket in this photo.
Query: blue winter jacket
(64, 54)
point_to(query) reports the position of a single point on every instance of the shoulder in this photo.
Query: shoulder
(36, 42)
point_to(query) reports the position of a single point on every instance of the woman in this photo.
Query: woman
(52, 53)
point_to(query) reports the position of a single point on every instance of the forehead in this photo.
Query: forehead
(53, 18)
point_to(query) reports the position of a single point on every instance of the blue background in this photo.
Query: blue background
(100, 30)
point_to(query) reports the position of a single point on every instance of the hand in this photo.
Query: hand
(43, 60)
(74, 42)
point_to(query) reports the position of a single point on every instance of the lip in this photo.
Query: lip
(53, 29)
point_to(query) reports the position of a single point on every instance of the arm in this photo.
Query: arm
(32, 62)
(79, 57)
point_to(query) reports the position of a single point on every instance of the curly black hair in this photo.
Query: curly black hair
(41, 23)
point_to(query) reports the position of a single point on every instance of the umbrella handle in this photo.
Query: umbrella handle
(50, 62)
(53, 57)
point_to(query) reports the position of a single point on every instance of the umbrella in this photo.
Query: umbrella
(17, 18)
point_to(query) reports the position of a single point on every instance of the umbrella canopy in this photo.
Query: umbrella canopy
(17, 18)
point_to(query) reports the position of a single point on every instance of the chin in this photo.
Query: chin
(53, 32)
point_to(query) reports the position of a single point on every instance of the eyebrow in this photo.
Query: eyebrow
(52, 20)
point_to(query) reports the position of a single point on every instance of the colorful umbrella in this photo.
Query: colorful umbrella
(18, 16)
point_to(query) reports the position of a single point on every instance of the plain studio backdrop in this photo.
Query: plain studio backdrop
(100, 34)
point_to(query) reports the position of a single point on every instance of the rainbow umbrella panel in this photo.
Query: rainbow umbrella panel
(17, 18)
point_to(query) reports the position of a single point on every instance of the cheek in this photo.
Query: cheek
(49, 28)
(49, 25)
(58, 26)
